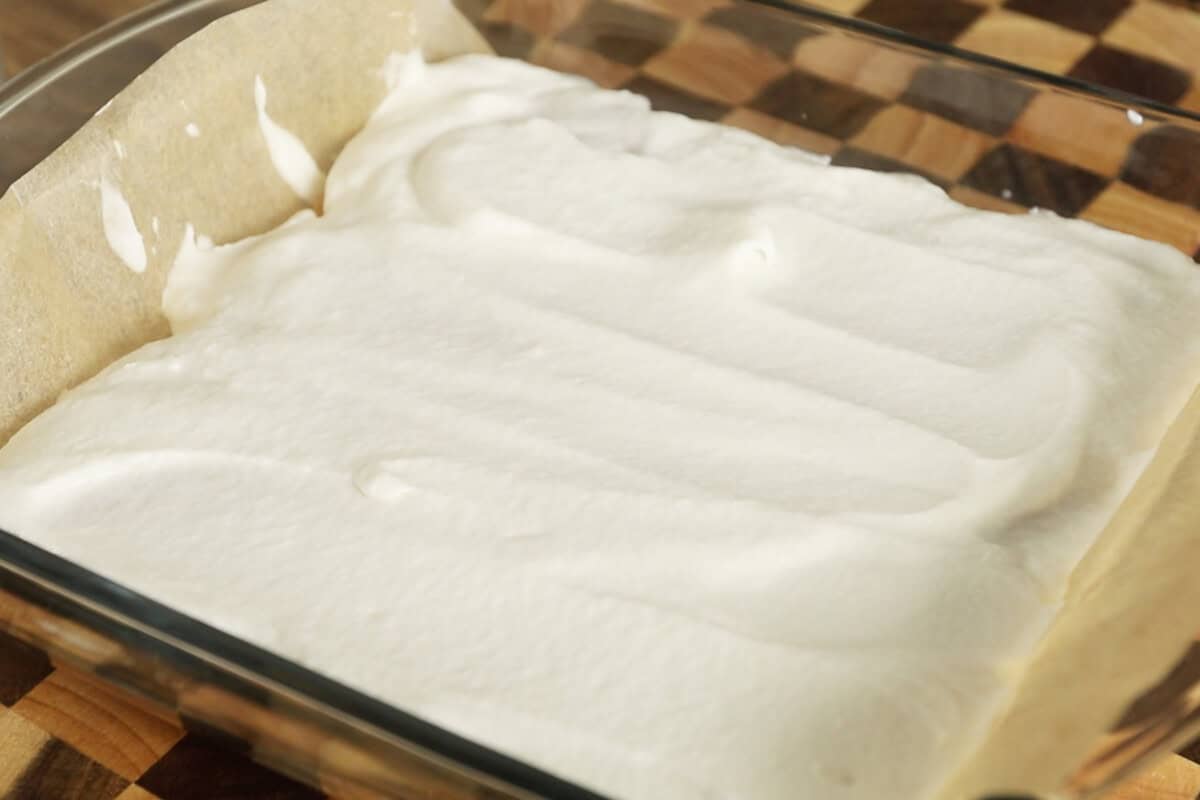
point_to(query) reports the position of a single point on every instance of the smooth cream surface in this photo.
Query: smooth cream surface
(672, 461)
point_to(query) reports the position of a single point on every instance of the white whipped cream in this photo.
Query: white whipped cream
(640, 448)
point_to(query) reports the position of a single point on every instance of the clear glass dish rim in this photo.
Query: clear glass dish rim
(126, 616)
(195, 648)
(27, 82)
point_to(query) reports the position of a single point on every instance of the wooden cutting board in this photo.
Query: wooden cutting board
(65, 735)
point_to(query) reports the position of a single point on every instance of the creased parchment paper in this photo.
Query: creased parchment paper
(70, 306)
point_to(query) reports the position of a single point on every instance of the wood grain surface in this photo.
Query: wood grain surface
(30, 30)
(64, 734)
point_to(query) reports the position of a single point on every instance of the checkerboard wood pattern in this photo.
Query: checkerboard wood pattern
(1144, 47)
(989, 140)
(66, 735)
(63, 734)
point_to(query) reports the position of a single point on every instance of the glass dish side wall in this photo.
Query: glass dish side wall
(44, 105)
(992, 138)
(296, 721)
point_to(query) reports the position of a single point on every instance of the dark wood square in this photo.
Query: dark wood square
(776, 30)
(938, 20)
(1087, 16)
(506, 39)
(854, 157)
(1191, 751)
(59, 771)
(817, 104)
(175, 776)
(1034, 180)
(473, 9)
(24, 668)
(665, 97)
(1120, 69)
(620, 33)
(984, 101)
(1168, 694)
(1164, 162)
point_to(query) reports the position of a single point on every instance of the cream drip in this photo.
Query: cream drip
(120, 228)
(640, 448)
(291, 158)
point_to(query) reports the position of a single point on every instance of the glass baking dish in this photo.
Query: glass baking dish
(993, 135)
